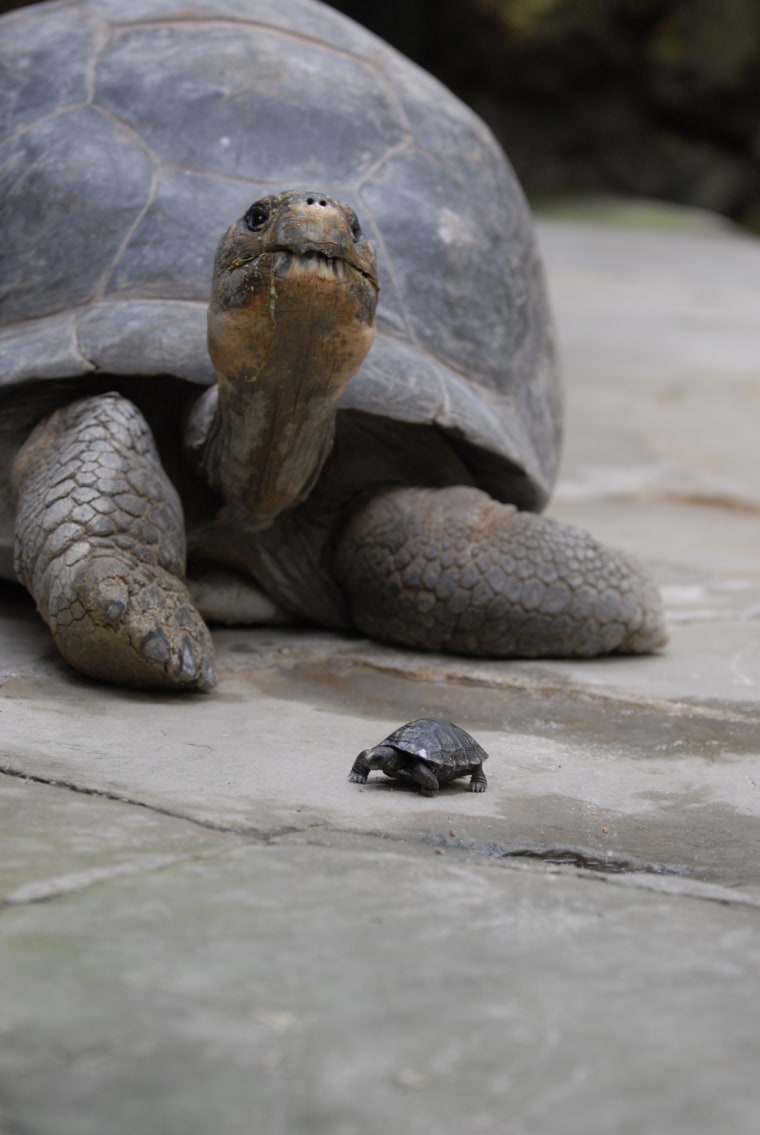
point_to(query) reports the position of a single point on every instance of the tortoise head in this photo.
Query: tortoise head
(385, 758)
(294, 277)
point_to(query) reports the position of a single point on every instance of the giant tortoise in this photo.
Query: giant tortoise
(287, 474)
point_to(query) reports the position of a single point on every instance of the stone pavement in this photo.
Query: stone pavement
(207, 929)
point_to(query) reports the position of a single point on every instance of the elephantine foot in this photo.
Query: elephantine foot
(100, 544)
(130, 623)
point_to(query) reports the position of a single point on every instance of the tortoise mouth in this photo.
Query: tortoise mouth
(286, 262)
(314, 262)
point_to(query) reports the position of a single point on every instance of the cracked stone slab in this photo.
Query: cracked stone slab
(56, 841)
(603, 774)
(336, 990)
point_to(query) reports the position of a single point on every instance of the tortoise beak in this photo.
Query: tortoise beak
(314, 224)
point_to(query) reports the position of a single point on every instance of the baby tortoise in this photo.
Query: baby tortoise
(429, 752)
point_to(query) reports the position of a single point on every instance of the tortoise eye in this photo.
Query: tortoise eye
(256, 217)
(353, 221)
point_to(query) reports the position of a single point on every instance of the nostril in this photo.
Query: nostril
(317, 201)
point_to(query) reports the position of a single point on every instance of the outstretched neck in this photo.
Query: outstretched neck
(289, 324)
(274, 422)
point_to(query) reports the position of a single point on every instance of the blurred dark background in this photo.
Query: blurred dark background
(650, 98)
(653, 98)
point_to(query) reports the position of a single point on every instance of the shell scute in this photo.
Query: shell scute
(437, 742)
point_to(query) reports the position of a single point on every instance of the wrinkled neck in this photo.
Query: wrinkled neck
(277, 399)
(268, 443)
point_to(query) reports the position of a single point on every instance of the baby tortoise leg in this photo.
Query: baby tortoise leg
(100, 545)
(425, 779)
(360, 769)
(478, 780)
(452, 569)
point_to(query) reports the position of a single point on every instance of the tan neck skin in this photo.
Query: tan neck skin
(287, 330)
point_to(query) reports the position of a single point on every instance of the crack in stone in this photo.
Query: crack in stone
(578, 857)
(246, 832)
(675, 880)
(119, 798)
(42, 890)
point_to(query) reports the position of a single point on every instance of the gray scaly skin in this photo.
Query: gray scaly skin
(452, 569)
(337, 517)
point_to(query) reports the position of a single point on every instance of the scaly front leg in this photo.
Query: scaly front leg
(100, 545)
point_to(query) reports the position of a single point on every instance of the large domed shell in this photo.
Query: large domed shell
(130, 136)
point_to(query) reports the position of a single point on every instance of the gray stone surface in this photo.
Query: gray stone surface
(206, 927)
(351, 987)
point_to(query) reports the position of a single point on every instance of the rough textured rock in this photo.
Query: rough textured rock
(330, 990)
